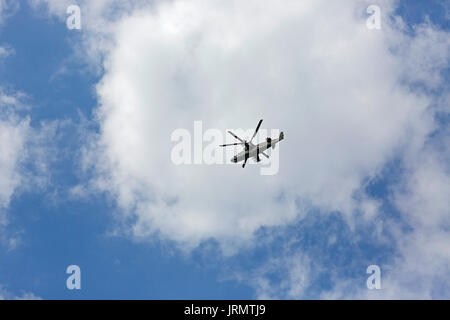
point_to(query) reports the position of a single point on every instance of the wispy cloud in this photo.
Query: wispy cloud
(7, 295)
(7, 9)
(26, 155)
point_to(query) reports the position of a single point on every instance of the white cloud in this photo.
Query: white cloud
(7, 295)
(24, 156)
(296, 270)
(340, 92)
(6, 51)
(335, 91)
(14, 131)
(422, 268)
(7, 9)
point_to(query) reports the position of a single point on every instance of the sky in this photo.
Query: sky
(87, 177)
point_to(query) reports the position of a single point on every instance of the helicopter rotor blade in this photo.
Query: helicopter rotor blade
(231, 144)
(257, 128)
(245, 162)
(236, 136)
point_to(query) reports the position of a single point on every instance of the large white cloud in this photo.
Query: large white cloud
(310, 68)
(345, 96)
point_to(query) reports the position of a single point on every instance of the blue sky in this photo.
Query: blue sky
(57, 229)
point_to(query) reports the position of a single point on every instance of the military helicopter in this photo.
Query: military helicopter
(251, 150)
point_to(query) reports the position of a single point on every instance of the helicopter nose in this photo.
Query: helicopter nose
(234, 159)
